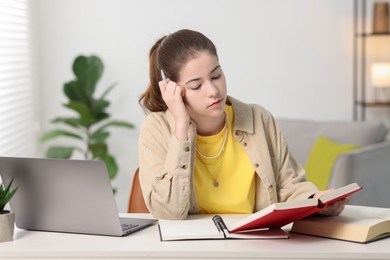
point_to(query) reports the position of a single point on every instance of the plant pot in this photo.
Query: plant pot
(7, 220)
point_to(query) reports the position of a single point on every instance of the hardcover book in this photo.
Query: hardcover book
(356, 223)
(280, 214)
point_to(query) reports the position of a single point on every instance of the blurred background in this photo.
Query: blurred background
(295, 58)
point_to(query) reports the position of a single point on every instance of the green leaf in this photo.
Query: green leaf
(79, 107)
(60, 152)
(100, 117)
(73, 90)
(71, 121)
(100, 136)
(57, 133)
(6, 194)
(98, 108)
(111, 165)
(115, 123)
(98, 150)
(88, 71)
(86, 117)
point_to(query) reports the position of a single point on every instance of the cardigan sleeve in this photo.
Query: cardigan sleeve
(165, 169)
(290, 175)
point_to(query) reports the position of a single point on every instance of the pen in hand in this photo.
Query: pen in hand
(164, 77)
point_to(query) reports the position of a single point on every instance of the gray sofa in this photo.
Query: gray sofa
(369, 166)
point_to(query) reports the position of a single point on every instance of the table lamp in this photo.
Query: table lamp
(380, 80)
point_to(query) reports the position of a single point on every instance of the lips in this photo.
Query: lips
(216, 103)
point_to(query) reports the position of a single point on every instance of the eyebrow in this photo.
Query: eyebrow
(191, 80)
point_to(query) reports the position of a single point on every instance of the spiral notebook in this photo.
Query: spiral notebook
(207, 227)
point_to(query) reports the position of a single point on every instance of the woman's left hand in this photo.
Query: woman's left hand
(333, 209)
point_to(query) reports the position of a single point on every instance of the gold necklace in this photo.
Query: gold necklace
(215, 179)
(222, 146)
(199, 155)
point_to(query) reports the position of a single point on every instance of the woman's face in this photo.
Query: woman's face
(205, 86)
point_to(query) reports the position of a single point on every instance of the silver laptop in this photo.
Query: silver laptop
(65, 196)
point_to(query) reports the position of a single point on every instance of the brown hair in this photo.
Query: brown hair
(169, 54)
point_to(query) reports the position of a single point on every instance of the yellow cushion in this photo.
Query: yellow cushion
(322, 158)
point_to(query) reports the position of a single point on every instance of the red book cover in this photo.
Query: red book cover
(280, 214)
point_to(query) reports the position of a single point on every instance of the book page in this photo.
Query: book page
(263, 233)
(200, 227)
(203, 228)
(361, 215)
(369, 212)
(339, 193)
(355, 223)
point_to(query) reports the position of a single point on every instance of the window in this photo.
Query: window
(17, 116)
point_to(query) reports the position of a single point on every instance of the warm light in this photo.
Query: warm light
(380, 75)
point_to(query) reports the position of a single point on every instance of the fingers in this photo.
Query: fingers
(340, 203)
(174, 97)
(332, 210)
(171, 92)
(335, 208)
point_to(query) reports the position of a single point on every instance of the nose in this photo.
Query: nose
(212, 89)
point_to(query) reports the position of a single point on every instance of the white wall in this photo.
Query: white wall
(293, 57)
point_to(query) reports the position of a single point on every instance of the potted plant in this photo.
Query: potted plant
(90, 126)
(7, 218)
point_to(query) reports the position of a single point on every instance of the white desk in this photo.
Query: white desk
(146, 244)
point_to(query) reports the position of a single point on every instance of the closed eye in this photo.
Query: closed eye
(216, 77)
(197, 87)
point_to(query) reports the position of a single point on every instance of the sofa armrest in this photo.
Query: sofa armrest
(370, 168)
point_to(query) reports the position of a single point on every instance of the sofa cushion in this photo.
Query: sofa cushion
(322, 158)
(301, 135)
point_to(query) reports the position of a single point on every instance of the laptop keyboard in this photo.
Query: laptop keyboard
(126, 226)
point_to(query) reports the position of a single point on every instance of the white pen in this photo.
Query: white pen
(164, 77)
(166, 82)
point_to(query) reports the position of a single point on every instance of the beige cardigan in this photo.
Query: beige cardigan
(167, 165)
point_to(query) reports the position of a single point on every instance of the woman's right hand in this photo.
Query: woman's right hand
(173, 96)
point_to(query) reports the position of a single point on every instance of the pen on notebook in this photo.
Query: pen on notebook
(164, 77)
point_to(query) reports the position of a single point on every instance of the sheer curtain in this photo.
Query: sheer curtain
(17, 112)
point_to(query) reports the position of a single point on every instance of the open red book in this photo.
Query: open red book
(280, 214)
(264, 224)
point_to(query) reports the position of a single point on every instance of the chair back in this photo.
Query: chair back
(136, 200)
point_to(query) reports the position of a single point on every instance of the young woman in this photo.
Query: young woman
(202, 151)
